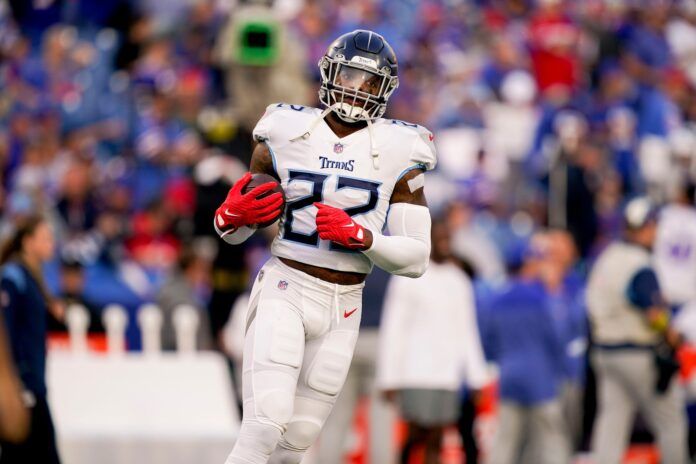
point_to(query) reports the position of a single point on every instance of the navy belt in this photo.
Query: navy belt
(623, 346)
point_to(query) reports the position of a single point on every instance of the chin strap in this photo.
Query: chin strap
(373, 146)
(312, 126)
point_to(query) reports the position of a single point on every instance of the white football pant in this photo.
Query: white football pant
(301, 332)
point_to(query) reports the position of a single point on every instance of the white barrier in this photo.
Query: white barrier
(186, 322)
(150, 322)
(130, 407)
(77, 320)
(115, 320)
(135, 408)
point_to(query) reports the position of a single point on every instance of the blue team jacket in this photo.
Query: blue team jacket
(520, 336)
(25, 312)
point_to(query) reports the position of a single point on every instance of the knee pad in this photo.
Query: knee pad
(275, 370)
(330, 366)
(287, 338)
(276, 405)
(300, 435)
(255, 443)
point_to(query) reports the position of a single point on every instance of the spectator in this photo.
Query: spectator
(680, 32)
(72, 291)
(645, 51)
(570, 317)
(472, 243)
(25, 305)
(633, 345)
(622, 145)
(571, 180)
(188, 284)
(510, 126)
(153, 243)
(76, 204)
(506, 56)
(520, 337)
(554, 45)
(35, 19)
(429, 346)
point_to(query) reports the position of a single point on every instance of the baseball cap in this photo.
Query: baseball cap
(639, 211)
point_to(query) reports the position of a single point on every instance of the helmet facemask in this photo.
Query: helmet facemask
(354, 90)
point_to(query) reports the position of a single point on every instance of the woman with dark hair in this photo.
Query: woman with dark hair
(25, 302)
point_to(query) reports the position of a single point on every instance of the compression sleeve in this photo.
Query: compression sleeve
(406, 251)
(235, 237)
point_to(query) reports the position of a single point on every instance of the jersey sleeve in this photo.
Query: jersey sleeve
(424, 153)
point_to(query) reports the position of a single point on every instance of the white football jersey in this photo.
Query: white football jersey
(338, 172)
(675, 253)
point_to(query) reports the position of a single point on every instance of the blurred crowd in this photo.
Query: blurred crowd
(126, 121)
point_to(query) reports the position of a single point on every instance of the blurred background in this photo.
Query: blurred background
(125, 122)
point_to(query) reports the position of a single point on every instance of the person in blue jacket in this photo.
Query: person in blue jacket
(25, 303)
(520, 336)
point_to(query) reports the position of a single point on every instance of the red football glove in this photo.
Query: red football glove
(334, 224)
(247, 209)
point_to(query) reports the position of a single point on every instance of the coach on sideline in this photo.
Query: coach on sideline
(633, 353)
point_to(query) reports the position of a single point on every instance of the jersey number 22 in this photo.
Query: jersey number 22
(317, 195)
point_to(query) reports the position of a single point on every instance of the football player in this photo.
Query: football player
(675, 247)
(346, 173)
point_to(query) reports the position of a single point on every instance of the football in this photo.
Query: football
(260, 179)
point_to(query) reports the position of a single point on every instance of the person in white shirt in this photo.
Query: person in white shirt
(429, 346)
(675, 248)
